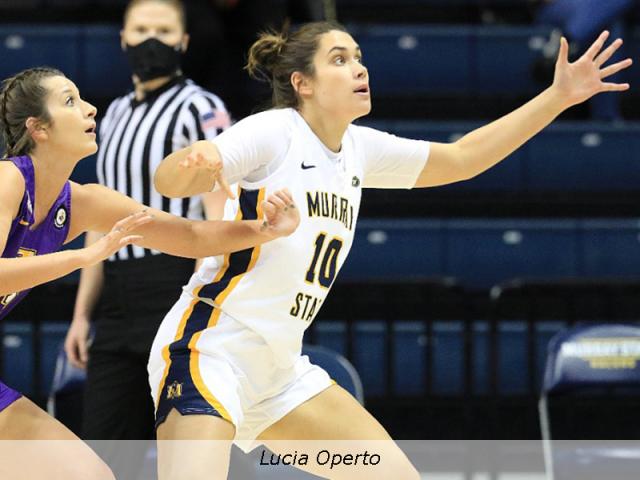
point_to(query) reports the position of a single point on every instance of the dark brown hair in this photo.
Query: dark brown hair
(23, 96)
(275, 56)
(177, 4)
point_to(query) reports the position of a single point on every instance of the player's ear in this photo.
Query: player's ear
(301, 84)
(36, 129)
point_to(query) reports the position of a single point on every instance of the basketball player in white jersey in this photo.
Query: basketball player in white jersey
(226, 363)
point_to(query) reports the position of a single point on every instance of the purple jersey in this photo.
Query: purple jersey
(7, 396)
(48, 237)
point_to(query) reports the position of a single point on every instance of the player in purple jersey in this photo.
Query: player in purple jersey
(47, 129)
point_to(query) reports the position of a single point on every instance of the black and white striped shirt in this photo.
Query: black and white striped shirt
(135, 136)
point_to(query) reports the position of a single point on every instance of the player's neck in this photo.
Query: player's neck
(51, 171)
(329, 130)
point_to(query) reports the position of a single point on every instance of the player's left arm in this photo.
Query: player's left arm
(98, 208)
(482, 148)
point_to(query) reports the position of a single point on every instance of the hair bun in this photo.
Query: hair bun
(265, 55)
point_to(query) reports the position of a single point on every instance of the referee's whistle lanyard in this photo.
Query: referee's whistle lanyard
(153, 59)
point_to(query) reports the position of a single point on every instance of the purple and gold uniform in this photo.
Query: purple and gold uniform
(7, 396)
(24, 241)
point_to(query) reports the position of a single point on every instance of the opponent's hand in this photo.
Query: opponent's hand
(280, 213)
(578, 81)
(205, 156)
(118, 237)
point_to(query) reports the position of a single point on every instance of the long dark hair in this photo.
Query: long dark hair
(23, 96)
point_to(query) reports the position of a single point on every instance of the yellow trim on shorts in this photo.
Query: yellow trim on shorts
(166, 355)
(225, 263)
(221, 297)
(194, 365)
(196, 376)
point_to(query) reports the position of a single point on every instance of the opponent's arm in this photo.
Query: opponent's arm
(99, 206)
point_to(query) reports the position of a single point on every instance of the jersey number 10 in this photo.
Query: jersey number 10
(329, 263)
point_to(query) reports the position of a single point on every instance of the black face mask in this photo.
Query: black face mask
(153, 59)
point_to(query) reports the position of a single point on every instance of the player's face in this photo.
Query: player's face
(341, 82)
(153, 20)
(73, 125)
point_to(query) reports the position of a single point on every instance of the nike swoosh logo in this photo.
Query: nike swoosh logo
(307, 167)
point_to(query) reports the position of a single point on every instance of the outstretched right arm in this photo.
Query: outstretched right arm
(17, 274)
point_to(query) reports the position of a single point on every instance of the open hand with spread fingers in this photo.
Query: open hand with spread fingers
(578, 81)
(204, 156)
(281, 216)
(119, 236)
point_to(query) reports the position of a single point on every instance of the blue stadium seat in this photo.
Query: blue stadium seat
(448, 358)
(369, 355)
(409, 345)
(409, 360)
(593, 358)
(67, 381)
(19, 358)
(611, 247)
(512, 359)
(23, 46)
(565, 157)
(504, 57)
(545, 331)
(480, 358)
(338, 368)
(52, 339)
(572, 157)
(331, 333)
(483, 253)
(105, 71)
(416, 60)
(513, 347)
(588, 356)
(387, 248)
(66, 377)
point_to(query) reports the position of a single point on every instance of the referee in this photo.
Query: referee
(137, 287)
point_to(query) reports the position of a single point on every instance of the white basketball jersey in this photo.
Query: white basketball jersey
(277, 288)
